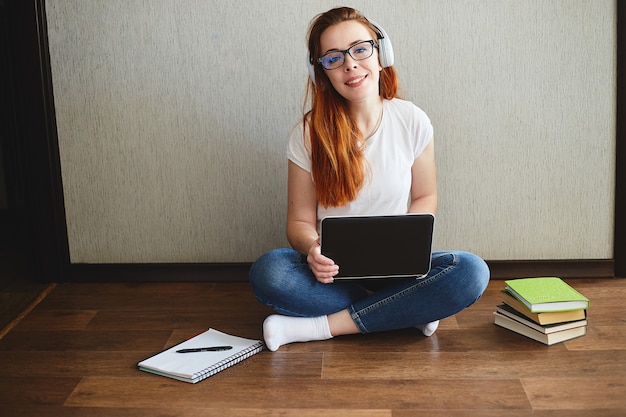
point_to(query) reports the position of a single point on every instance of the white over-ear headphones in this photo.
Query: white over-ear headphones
(385, 51)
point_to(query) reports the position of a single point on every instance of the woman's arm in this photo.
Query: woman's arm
(302, 222)
(424, 182)
(301, 209)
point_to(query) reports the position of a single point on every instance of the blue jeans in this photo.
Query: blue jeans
(282, 280)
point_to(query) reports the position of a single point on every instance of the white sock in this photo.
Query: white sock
(280, 330)
(429, 328)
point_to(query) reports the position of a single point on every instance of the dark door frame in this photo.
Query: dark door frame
(33, 136)
(619, 243)
(44, 189)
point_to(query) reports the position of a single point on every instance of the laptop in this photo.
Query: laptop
(395, 246)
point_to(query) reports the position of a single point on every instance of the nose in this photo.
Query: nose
(349, 63)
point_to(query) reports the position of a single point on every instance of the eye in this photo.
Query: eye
(361, 49)
(332, 59)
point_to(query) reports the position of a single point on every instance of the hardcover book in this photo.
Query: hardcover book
(547, 339)
(510, 312)
(543, 318)
(546, 294)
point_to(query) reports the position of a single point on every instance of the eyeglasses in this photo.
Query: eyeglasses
(358, 52)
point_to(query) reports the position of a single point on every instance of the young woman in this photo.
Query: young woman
(360, 150)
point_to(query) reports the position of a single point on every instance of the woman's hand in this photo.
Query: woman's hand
(323, 268)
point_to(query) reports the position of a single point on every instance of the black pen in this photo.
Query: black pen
(205, 349)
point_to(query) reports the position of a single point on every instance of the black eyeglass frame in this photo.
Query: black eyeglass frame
(372, 42)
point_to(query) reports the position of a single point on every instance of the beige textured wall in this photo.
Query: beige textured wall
(173, 115)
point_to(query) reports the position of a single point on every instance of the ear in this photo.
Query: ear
(310, 67)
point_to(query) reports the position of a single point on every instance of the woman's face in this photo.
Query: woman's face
(356, 81)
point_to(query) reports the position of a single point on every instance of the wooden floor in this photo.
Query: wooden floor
(75, 355)
(18, 290)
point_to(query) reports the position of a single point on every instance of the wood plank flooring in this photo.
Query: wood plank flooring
(17, 289)
(75, 355)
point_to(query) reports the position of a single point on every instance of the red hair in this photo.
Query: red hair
(337, 159)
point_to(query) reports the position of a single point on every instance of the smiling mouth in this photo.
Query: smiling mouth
(356, 80)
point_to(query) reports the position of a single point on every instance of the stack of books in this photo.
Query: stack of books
(545, 309)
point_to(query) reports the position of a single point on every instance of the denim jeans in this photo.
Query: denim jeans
(282, 280)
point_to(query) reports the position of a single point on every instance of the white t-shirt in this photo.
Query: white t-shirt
(405, 130)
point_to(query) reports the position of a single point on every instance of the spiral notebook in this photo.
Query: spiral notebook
(201, 356)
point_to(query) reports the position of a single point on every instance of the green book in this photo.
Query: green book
(546, 294)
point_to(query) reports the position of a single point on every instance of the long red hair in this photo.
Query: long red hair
(337, 159)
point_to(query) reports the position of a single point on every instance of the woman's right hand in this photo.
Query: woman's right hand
(323, 268)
